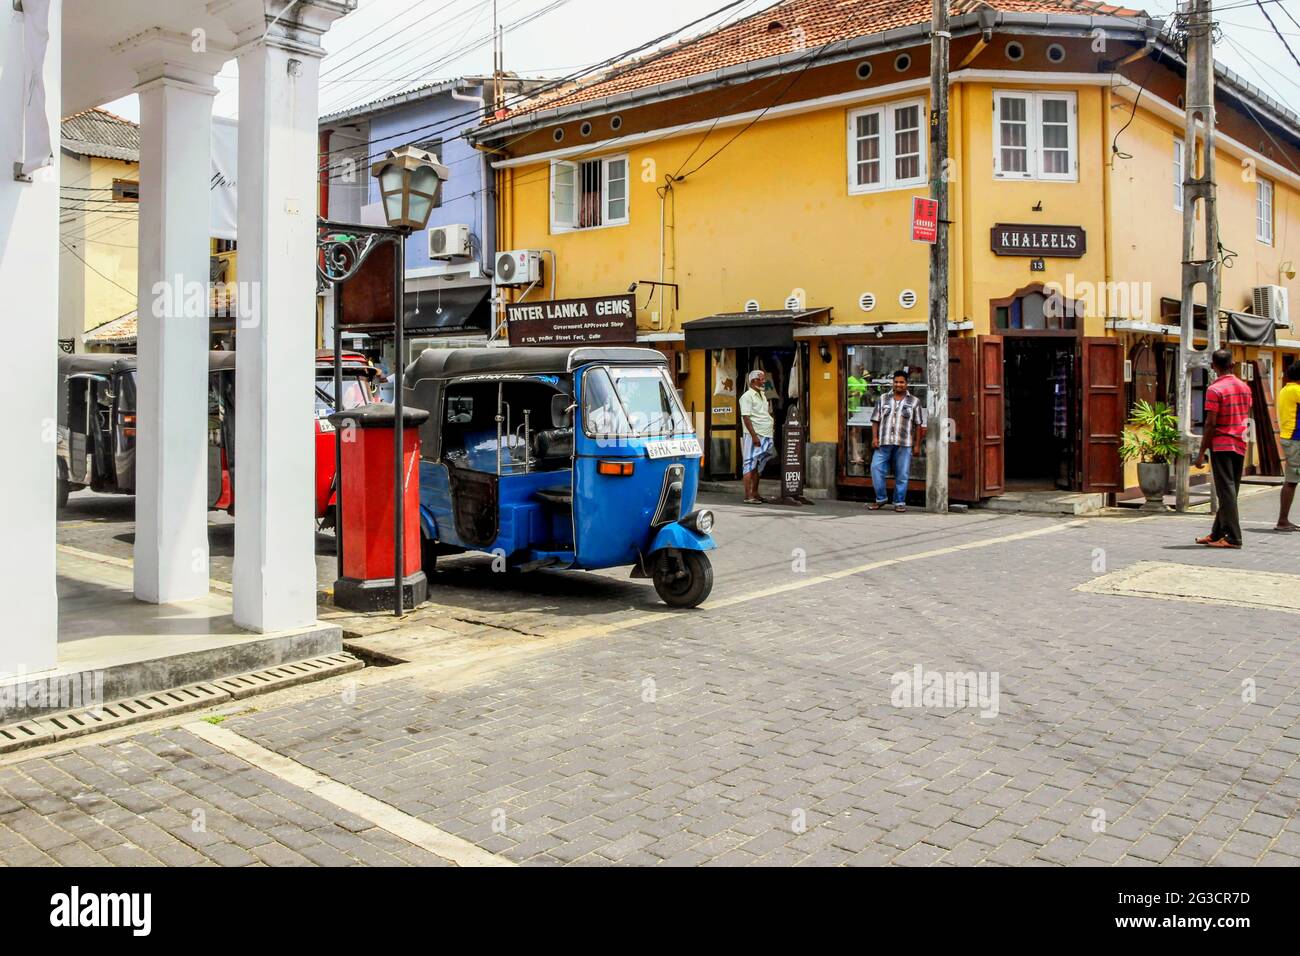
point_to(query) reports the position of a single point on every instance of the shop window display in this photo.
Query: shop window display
(869, 371)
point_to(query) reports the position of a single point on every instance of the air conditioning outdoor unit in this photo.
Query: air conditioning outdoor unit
(520, 267)
(449, 242)
(1271, 301)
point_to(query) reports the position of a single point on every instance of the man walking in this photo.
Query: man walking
(897, 430)
(1287, 401)
(1227, 410)
(756, 443)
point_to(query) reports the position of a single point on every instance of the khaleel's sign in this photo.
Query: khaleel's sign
(603, 320)
(1022, 239)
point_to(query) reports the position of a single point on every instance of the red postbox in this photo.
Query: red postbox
(367, 526)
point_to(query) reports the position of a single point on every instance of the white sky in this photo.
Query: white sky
(409, 49)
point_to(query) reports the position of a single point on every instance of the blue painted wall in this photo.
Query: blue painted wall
(461, 194)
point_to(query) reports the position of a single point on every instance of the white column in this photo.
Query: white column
(171, 523)
(275, 566)
(29, 280)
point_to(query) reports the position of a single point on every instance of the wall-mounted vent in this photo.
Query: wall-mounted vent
(866, 302)
(907, 298)
(794, 304)
(751, 305)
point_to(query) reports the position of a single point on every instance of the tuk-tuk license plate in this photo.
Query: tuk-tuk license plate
(674, 448)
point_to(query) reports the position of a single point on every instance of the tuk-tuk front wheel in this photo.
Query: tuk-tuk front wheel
(683, 578)
(63, 490)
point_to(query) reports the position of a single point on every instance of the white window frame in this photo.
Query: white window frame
(570, 224)
(1034, 149)
(1180, 173)
(1264, 193)
(888, 144)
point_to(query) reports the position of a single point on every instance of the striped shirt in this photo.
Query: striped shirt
(895, 418)
(1229, 398)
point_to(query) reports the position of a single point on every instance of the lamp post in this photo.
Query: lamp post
(410, 181)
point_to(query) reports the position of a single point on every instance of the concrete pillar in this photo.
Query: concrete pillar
(171, 524)
(29, 278)
(275, 565)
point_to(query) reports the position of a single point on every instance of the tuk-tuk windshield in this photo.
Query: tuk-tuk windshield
(632, 401)
(354, 393)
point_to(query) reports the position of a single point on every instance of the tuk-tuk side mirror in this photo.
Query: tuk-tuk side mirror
(562, 407)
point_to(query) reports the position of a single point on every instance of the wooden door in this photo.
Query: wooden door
(977, 452)
(992, 418)
(963, 412)
(1102, 424)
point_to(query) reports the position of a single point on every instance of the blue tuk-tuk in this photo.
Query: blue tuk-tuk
(561, 458)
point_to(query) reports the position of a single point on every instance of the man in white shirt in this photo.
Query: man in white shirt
(756, 443)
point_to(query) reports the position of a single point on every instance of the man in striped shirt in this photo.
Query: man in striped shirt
(1227, 413)
(897, 430)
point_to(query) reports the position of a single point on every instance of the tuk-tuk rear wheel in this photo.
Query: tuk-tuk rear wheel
(683, 579)
(428, 556)
(64, 489)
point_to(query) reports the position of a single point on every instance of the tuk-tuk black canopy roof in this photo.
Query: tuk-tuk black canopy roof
(95, 363)
(454, 363)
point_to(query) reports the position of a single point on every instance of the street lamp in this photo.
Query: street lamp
(410, 181)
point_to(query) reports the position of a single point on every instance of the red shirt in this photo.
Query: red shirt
(1229, 396)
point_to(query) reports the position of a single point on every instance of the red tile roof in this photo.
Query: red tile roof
(786, 28)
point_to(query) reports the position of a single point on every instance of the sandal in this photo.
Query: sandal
(900, 508)
(1223, 543)
(1206, 540)
(1287, 527)
(875, 506)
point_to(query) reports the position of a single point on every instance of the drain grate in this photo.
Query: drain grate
(74, 723)
(286, 675)
(132, 710)
(27, 733)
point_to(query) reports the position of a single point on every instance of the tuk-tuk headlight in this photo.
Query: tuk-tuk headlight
(701, 521)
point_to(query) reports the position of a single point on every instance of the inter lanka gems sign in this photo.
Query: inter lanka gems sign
(604, 320)
(1021, 239)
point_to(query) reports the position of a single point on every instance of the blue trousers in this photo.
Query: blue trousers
(897, 457)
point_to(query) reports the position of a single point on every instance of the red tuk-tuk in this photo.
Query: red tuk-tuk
(97, 424)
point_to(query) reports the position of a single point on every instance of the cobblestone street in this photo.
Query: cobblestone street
(570, 718)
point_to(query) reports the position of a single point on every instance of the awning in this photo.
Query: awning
(454, 309)
(731, 330)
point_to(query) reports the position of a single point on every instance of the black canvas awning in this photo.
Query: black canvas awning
(731, 330)
(463, 309)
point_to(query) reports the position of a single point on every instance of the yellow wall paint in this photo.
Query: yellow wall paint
(100, 285)
(771, 215)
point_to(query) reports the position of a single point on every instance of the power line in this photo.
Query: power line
(449, 123)
(1264, 10)
(96, 271)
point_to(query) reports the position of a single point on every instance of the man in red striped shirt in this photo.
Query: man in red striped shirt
(1227, 414)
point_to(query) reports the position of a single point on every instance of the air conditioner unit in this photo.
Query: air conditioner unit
(448, 242)
(520, 267)
(683, 363)
(1271, 301)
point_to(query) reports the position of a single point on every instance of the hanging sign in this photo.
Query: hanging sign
(603, 320)
(925, 219)
(1020, 239)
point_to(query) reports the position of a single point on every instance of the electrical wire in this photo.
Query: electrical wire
(452, 122)
(96, 271)
(1264, 10)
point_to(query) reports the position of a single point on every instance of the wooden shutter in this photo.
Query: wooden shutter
(991, 418)
(1103, 414)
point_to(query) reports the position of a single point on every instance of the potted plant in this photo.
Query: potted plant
(1152, 440)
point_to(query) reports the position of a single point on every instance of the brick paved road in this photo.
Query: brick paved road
(760, 729)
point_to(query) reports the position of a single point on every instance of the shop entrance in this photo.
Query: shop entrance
(1042, 413)
(728, 371)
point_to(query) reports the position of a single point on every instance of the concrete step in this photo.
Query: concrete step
(768, 488)
(1046, 503)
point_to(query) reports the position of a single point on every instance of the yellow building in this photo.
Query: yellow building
(99, 195)
(765, 174)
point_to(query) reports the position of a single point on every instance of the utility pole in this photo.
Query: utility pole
(1198, 184)
(936, 362)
